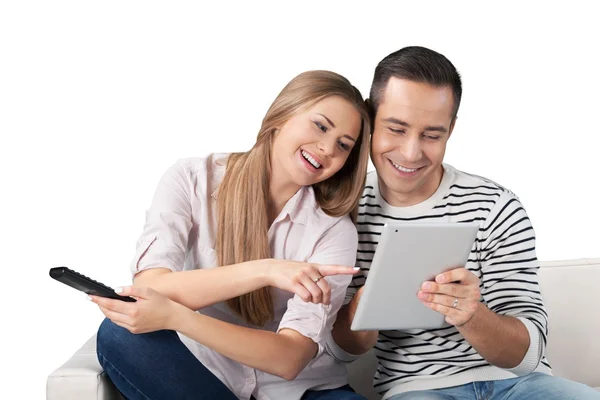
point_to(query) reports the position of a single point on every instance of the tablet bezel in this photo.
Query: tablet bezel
(389, 300)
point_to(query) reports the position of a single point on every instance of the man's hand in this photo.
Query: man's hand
(353, 342)
(454, 293)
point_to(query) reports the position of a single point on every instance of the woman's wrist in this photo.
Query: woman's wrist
(177, 317)
(261, 271)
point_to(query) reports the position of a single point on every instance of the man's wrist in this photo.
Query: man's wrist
(472, 322)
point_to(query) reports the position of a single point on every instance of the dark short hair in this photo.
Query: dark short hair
(417, 64)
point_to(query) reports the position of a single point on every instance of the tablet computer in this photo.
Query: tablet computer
(407, 255)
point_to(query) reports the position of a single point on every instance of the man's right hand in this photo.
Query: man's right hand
(304, 279)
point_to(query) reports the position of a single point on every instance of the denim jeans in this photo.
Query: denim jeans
(157, 365)
(535, 386)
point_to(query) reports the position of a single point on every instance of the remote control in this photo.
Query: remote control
(85, 284)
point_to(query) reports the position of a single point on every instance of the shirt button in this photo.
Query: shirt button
(250, 381)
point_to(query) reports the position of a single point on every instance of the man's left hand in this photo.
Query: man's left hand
(454, 293)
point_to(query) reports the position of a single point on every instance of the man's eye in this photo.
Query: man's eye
(432, 137)
(321, 126)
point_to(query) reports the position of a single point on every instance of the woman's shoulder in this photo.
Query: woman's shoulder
(201, 174)
(210, 163)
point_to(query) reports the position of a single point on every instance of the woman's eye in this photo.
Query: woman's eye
(321, 126)
(344, 146)
(398, 131)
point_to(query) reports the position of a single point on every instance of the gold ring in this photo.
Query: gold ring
(317, 280)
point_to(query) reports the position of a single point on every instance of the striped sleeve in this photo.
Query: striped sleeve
(509, 274)
(358, 281)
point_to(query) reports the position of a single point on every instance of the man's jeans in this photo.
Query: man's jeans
(535, 386)
(157, 365)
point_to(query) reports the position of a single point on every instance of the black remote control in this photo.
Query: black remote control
(85, 284)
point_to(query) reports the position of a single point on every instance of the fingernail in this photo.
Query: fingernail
(118, 290)
(441, 278)
(88, 297)
(356, 268)
(427, 285)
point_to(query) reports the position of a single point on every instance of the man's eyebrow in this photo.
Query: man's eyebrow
(440, 129)
(328, 120)
(397, 121)
(406, 124)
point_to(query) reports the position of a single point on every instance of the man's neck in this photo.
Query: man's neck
(414, 197)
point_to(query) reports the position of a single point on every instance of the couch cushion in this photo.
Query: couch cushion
(569, 291)
(81, 377)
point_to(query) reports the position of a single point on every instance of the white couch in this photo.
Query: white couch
(569, 290)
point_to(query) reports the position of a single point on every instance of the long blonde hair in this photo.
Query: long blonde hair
(243, 193)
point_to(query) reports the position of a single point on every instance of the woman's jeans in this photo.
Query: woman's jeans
(157, 365)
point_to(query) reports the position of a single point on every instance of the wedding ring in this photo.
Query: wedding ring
(455, 304)
(317, 280)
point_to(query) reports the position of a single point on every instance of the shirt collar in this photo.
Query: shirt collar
(299, 206)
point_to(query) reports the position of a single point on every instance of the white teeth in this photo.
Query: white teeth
(401, 168)
(310, 159)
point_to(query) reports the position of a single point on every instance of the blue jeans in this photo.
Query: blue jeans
(535, 386)
(157, 365)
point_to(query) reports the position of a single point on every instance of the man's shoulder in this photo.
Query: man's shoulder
(473, 183)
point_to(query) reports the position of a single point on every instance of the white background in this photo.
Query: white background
(98, 98)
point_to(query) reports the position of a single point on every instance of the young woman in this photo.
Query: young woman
(262, 245)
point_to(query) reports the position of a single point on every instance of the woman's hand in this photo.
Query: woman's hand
(305, 279)
(151, 312)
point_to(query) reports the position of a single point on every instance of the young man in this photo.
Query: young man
(494, 345)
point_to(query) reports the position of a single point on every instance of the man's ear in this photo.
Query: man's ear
(452, 126)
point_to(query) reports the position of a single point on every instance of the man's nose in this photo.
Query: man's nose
(411, 150)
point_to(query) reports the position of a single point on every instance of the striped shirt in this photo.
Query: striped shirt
(504, 259)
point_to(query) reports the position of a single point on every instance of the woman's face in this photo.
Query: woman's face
(315, 143)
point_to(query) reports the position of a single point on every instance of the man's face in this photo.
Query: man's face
(412, 126)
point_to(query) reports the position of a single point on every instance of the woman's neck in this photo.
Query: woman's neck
(281, 190)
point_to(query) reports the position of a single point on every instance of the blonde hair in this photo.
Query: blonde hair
(243, 193)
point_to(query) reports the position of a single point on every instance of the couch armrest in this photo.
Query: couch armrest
(81, 378)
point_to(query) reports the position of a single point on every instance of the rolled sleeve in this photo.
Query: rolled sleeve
(534, 353)
(336, 247)
(337, 352)
(165, 235)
